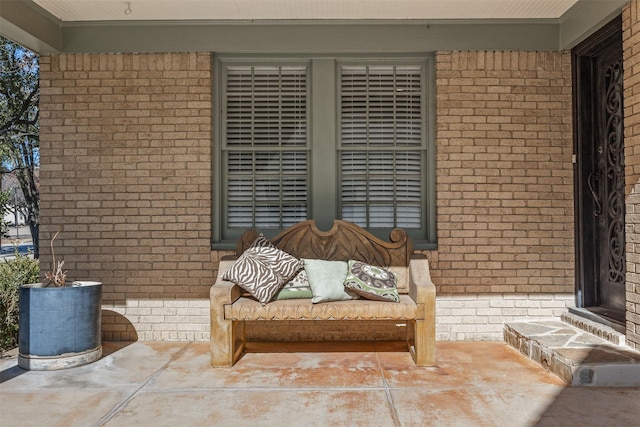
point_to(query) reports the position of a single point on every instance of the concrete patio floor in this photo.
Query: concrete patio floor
(314, 384)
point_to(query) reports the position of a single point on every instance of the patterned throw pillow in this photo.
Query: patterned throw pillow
(297, 288)
(263, 269)
(371, 282)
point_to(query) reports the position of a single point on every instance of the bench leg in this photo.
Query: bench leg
(423, 343)
(227, 342)
(239, 341)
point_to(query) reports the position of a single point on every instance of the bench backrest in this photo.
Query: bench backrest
(344, 241)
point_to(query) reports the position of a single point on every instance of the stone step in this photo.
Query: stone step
(577, 356)
(582, 319)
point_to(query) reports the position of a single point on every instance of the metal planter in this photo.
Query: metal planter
(59, 327)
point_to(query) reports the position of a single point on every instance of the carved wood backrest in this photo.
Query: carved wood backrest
(344, 241)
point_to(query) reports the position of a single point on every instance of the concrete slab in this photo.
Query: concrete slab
(251, 408)
(464, 364)
(79, 407)
(314, 384)
(473, 406)
(290, 369)
(592, 406)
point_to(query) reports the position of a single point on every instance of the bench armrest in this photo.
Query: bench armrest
(421, 288)
(423, 292)
(224, 292)
(227, 339)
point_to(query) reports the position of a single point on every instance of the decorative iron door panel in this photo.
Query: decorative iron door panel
(610, 188)
(599, 179)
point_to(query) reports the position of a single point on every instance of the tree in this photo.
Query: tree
(4, 209)
(19, 128)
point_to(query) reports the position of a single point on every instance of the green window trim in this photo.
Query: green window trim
(323, 137)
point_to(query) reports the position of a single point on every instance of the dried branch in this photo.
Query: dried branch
(56, 276)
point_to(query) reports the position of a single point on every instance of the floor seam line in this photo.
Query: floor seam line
(116, 409)
(387, 392)
(274, 389)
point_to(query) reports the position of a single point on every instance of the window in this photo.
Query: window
(265, 146)
(381, 146)
(323, 138)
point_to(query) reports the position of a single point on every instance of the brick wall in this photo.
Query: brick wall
(504, 189)
(126, 174)
(631, 39)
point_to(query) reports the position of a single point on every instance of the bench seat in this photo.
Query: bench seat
(302, 309)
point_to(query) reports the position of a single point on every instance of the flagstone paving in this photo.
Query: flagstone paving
(578, 356)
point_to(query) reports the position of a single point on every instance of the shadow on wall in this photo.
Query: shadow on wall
(116, 327)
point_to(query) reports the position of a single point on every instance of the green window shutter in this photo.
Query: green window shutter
(382, 146)
(265, 146)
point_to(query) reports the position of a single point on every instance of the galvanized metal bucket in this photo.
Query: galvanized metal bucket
(59, 327)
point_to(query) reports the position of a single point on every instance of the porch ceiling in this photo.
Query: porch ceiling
(117, 10)
(293, 26)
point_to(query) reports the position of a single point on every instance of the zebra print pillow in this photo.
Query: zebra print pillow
(263, 269)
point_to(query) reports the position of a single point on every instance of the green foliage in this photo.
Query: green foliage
(14, 272)
(19, 126)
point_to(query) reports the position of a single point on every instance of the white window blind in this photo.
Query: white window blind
(265, 146)
(382, 145)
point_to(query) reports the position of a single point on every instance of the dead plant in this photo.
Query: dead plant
(56, 276)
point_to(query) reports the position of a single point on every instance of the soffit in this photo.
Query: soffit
(171, 10)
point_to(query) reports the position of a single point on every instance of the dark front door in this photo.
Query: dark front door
(600, 203)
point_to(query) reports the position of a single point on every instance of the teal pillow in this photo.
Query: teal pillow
(326, 279)
(371, 282)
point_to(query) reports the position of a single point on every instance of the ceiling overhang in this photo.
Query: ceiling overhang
(77, 26)
(238, 10)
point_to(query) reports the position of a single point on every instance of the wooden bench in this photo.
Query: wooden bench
(230, 308)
